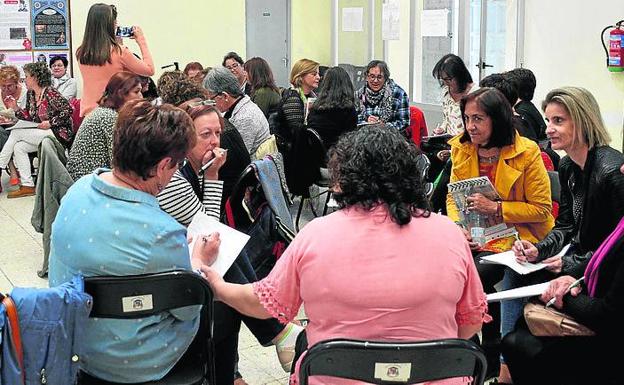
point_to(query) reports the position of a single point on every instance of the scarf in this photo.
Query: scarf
(591, 272)
(382, 99)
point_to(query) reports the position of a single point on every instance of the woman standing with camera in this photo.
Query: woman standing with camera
(101, 55)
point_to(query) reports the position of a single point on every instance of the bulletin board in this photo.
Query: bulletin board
(34, 30)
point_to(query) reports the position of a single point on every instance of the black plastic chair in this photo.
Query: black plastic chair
(392, 363)
(137, 296)
(555, 186)
(318, 158)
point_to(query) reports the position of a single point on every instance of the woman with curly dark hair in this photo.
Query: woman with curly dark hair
(352, 268)
(333, 113)
(45, 106)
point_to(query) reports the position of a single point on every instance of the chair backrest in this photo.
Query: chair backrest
(393, 363)
(555, 186)
(137, 296)
(423, 164)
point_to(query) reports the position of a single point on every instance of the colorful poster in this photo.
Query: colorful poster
(50, 25)
(17, 59)
(15, 25)
(45, 57)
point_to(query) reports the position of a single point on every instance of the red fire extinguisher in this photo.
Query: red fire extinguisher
(615, 52)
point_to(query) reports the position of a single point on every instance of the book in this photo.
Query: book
(232, 241)
(520, 292)
(483, 228)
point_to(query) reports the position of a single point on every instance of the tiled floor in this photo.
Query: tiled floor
(21, 257)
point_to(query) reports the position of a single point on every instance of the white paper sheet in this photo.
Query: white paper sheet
(353, 19)
(509, 259)
(521, 292)
(232, 241)
(434, 22)
(390, 21)
(22, 124)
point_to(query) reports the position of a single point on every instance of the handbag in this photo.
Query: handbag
(548, 322)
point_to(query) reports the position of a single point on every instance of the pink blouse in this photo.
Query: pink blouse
(362, 276)
(95, 78)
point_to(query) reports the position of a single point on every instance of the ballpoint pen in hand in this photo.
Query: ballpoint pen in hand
(572, 286)
(521, 245)
(209, 163)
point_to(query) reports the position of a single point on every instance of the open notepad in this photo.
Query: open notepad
(232, 241)
(22, 124)
(509, 259)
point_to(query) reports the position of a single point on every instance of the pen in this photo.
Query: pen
(572, 286)
(521, 245)
(209, 163)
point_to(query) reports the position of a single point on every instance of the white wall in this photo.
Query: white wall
(561, 47)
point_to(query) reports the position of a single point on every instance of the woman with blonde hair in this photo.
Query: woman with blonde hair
(101, 54)
(10, 90)
(293, 109)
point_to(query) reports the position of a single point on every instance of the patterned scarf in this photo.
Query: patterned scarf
(591, 272)
(382, 99)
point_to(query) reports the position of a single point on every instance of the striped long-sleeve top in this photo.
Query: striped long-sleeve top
(179, 200)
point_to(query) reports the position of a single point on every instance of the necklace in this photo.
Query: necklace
(124, 180)
(484, 155)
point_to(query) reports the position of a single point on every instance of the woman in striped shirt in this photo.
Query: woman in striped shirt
(192, 190)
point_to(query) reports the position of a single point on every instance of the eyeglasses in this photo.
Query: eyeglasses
(375, 77)
(233, 66)
(8, 87)
(446, 79)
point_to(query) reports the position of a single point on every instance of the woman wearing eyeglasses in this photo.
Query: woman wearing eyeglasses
(101, 55)
(381, 100)
(456, 82)
(234, 63)
(10, 90)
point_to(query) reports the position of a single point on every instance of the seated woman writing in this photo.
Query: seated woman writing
(192, 190)
(598, 304)
(350, 268)
(491, 147)
(109, 223)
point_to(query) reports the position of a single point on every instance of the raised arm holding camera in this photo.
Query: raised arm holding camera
(101, 54)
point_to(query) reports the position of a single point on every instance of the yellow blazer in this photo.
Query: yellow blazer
(521, 180)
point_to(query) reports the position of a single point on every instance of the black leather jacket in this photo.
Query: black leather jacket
(603, 207)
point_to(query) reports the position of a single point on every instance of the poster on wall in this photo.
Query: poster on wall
(50, 25)
(16, 58)
(390, 21)
(15, 25)
(45, 56)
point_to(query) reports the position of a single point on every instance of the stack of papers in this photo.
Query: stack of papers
(232, 241)
(22, 124)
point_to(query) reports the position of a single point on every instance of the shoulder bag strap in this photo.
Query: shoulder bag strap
(11, 311)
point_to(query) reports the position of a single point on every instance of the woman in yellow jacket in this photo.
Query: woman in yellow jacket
(491, 147)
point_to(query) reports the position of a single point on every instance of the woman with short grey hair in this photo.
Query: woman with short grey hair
(238, 108)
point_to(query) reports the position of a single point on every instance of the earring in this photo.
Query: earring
(159, 187)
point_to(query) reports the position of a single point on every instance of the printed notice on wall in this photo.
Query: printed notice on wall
(17, 59)
(390, 21)
(50, 24)
(15, 25)
(434, 22)
(353, 19)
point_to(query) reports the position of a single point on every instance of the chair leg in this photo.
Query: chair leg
(299, 210)
(326, 202)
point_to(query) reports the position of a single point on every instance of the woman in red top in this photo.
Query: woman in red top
(101, 55)
(45, 106)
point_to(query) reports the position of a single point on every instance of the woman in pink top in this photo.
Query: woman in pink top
(382, 268)
(100, 55)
